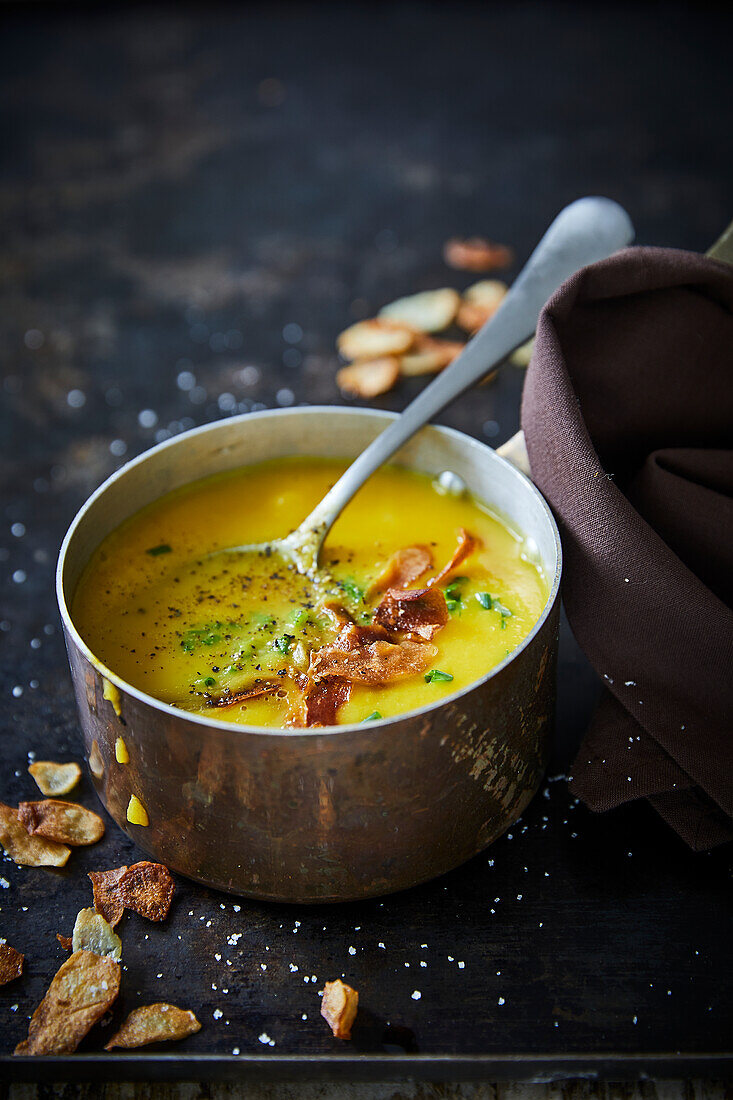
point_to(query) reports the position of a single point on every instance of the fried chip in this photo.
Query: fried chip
(80, 993)
(11, 963)
(54, 779)
(369, 377)
(476, 254)
(107, 900)
(154, 1023)
(25, 850)
(421, 611)
(93, 933)
(64, 822)
(65, 941)
(145, 887)
(338, 1007)
(404, 567)
(480, 302)
(374, 338)
(467, 543)
(380, 662)
(428, 311)
(429, 355)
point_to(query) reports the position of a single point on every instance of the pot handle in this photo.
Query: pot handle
(515, 451)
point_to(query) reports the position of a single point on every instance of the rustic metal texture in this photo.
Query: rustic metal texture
(306, 818)
(296, 815)
(165, 214)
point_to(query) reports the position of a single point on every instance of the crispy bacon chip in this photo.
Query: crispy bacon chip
(145, 887)
(421, 611)
(11, 963)
(476, 254)
(154, 1024)
(82, 990)
(353, 636)
(55, 779)
(65, 941)
(336, 612)
(338, 1007)
(320, 703)
(466, 545)
(380, 662)
(25, 850)
(64, 822)
(402, 569)
(93, 933)
(107, 900)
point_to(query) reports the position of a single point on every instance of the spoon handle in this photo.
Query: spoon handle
(585, 231)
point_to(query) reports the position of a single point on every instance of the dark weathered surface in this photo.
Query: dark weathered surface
(177, 190)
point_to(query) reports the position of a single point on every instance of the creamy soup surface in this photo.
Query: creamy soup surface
(256, 643)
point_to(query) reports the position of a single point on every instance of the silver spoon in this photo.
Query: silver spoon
(585, 231)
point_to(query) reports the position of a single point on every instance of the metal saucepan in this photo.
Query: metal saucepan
(316, 815)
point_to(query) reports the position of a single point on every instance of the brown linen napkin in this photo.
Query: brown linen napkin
(628, 418)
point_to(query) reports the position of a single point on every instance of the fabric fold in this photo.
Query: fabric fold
(628, 417)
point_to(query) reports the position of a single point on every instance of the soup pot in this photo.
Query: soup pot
(322, 814)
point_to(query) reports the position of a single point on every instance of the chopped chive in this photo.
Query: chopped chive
(503, 622)
(164, 548)
(453, 605)
(504, 611)
(299, 617)
(209, 681)
(485, 600)
(284, 643)
(372, 717)
(351, 588)
(435, 675)
(452, 588)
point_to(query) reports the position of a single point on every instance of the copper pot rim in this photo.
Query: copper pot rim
(216, 724)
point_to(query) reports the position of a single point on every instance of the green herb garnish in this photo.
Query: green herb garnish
(209, 681)
(485, 600)
(436, 676)
(503, 611)
(284, 643)
(299, 617)
(372, 717)
(453, 588)
(453, 605)
(210, 634)
(154, 551)
(351, 588)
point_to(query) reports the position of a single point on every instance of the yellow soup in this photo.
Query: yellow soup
(259, 644)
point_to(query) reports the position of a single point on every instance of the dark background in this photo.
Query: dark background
(180, 184)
